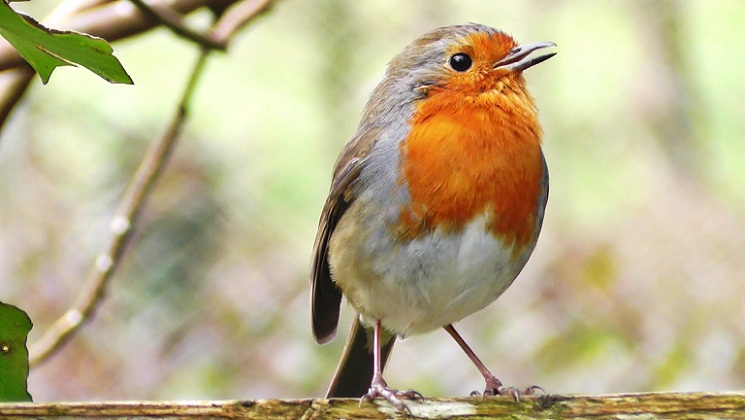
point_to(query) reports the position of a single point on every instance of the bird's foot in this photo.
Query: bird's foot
(494, 387)
(379, 389)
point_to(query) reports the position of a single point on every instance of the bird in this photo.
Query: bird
(435, 205)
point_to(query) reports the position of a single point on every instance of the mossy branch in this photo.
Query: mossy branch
(648, 406)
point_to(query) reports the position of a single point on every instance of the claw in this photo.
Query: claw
(494, 387)
(393, 396)
(511, 391)
(411, 395)
(531, 390)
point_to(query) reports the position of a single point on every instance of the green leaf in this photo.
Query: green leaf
(14, 328)
(46, 49)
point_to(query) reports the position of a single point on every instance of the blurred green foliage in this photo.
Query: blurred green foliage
(636, 283)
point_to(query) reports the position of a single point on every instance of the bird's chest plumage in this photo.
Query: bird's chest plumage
(442, 230)
(460, 162)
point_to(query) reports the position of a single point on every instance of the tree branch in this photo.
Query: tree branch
(671, 406)
(114, 20)
(237, 16)
(111, 21)
(173, 21)
(121, 227)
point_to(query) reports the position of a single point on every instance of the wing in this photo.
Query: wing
(325, 296)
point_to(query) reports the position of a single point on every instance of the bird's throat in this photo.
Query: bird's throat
(471, 156)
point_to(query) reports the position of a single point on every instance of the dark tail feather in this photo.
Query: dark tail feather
(355, 370)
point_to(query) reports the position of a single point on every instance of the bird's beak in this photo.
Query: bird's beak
(517, 59)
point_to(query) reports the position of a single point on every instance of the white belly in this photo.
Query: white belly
(430, 282)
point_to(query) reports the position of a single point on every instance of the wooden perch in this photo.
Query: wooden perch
(648, 406)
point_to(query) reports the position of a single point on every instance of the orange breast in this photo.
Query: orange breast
(467, 157)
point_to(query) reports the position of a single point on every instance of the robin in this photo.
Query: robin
(435, 205)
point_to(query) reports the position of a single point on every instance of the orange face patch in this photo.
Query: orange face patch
(484, 49)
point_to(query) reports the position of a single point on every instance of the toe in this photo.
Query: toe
(509, 391)
(393, 396)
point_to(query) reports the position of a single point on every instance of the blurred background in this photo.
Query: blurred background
(637, 283)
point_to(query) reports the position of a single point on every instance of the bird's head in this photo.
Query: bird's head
(468, 59)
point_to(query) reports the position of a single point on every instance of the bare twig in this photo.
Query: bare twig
(111, 21)
(13, 85)
(69, 8)
(236, 17)
(121, 227)
(173, 21)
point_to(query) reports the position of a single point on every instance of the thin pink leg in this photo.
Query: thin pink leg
(378, 386)
(493, 385)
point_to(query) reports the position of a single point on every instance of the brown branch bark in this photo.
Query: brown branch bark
(236, 17)
(175, 22)
(123, 223)
(121, 227)
(111, 21)
(649, 406)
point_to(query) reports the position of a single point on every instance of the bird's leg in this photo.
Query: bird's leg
(378, 386)
(493, 385)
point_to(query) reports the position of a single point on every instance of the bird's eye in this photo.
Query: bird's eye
(460, 62)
